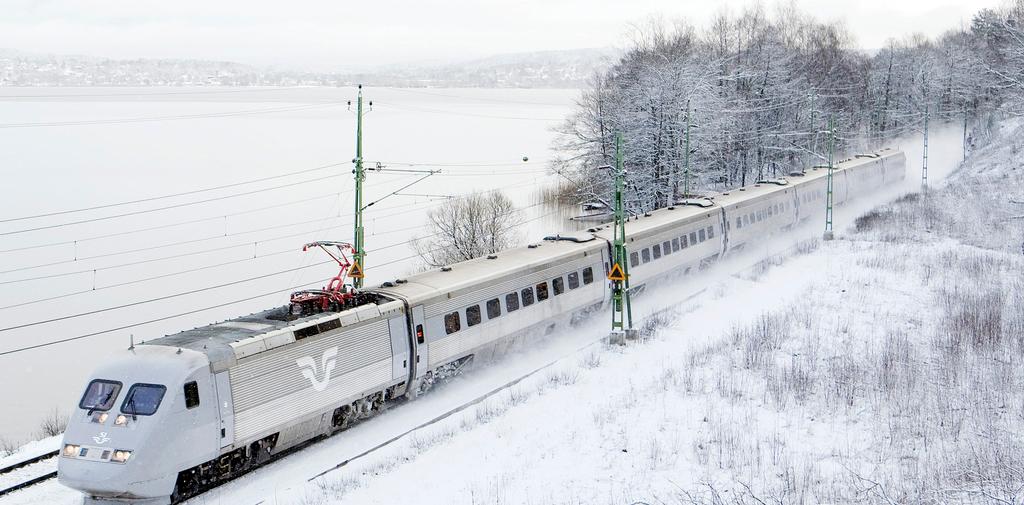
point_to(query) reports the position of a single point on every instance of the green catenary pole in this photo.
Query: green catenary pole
(828, 190)
(924, 159)
(686, 155)
(814, 134)
(622, 311)
(360, 176)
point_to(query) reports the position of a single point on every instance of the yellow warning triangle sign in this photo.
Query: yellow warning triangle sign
(356, 271)
(616, 274)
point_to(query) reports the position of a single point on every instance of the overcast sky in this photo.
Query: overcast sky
(326, 34)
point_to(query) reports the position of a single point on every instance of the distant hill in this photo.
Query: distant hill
(546, 69)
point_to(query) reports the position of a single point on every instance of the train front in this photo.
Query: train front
(138, 423)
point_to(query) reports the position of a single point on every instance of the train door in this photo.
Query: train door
(400, 347)
(225, 409)
(419, 333)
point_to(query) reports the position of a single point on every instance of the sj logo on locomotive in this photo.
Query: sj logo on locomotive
(309, 369)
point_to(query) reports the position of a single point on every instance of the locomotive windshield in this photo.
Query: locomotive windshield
(100, 395)
(143, 399)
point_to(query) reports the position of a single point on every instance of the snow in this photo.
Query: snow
(756, 380)
(821, 380)
(30, 450)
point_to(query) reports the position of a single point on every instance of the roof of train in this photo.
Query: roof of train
(216, 339)
(496, 266)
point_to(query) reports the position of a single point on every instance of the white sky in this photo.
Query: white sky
(325, 34)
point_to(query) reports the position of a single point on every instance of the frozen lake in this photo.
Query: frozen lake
(64, 149)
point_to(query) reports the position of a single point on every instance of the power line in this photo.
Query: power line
(167, 207)
(173, 195)
(150, 321)
(233, 214)
(165, 318)
(194, 311)
(183, 242)
(428, 204)
(183, 272)
(182, 223)
(160, 298)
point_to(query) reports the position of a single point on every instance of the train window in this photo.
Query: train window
(666, 247)
(512, 302)
(771, 210)
(527, 296)
(100, 395)
(739, 223)
(682, 241)
(557, 285)
(693, 237)
(452, 323)
(634, 259)
(542, 291)
(143, 399)
(711, 232)
(675, 245)
(752, 219)
(656, 250)
(493, 308)
(191, 395)
(473, 315)
(646, 255)
(574, 279)
(588, 275)
(702, 235)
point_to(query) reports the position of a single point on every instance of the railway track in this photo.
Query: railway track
(32, 478)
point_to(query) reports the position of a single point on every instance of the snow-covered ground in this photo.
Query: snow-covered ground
(881, 367)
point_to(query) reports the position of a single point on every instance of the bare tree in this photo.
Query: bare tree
(53, 424)
(469, 227)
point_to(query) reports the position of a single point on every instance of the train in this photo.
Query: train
(167, 419)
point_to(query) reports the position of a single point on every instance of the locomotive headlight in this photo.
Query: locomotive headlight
(70, 450)
(121, 420)
(120, 456)
(100, 417)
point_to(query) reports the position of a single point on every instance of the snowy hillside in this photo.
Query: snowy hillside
(882, 367)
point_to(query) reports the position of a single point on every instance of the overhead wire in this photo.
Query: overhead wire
(172, 195)
(198, 310)
(166, 207)
(415, 205)
(223, 216)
